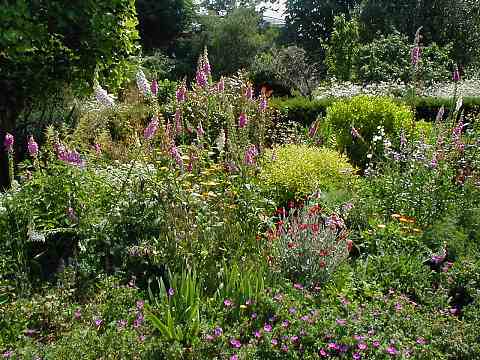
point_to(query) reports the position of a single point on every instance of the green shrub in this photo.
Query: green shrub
(295, 171)
(367, 115)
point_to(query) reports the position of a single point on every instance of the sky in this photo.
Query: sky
(277, 10)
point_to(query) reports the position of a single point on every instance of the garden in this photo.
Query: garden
(223, 191)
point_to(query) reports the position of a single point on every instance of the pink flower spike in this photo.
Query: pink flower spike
(32, 147)
(8, 142)
(154, 87)
(456, 75)
(151, 129)
(242, 120)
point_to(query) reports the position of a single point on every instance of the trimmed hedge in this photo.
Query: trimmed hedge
(305, 111)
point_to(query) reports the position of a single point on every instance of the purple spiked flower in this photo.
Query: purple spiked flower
(154, 87)
(32, 147)
(221, 85)
(242, 120)
(151, 129)
(103, 97)
(456, 75)
(201, 78)
(8, 142)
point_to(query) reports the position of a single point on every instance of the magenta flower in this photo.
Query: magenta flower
(415, 55)
(209, 337)
(456, 75)
(235, 343)
(181, 93)
(298, 286)
(285, 323)
(171, 292)
(242, 120)
(140, 304)
(8, 142)
(292, 310)
(284, 348)
(332, 346)
(175, 153)
(234, 357)
(294, 339)
(391, 350)
(97, 148)
(356, 356)
(257, 334)
(267, 327)
(227, 302)
(322, 353)
(32, 147)
(7, 354)
(376, 344)
(250, 155)
(201, 79)
(254, 316)
(434, 162)
(274, 342)
(421, 341)
(151, 129)
(362, 346)
(71, 157)
(121, 324)
(312, 131)
(98, 322)
(154, 87)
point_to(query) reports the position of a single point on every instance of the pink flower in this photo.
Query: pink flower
(97, 148)
(249, 92)
(221, 85)
(415, 56)
(421, 341)
(77, 314)
(8, 142)
(355, 133)
(267, 327)
(178, 121)
(181, 93)
(274, 342)
(362, 346)
(227, 303)
(140, 304)
(200, 131)
(154, 87)
(391, 350)
(376, 344)
(356, 356)
(201, 79)
(298, 286)
(234, 357)
(456, 75)
(250, 155)
(175, 153)
(263, 104)
(322, 353)
(312, 131)
(32, 147)
(257, 334)
(235, 343)
(242, 120)
(151, 129)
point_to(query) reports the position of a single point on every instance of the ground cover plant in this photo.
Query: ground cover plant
(184, 220)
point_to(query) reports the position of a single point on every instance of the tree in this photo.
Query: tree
(309, 23)
(50, 44)
(161, 21)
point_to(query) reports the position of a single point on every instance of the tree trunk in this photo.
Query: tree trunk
(10, 106)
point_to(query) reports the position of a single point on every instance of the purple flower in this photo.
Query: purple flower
(98, 148)
(415, 55)
(358, 337)
(7, 354)
(278, 297)
(292, 310)
(376, 344)
(142, 338)
(298, 286)
(254, 315)
(343, 348)
(98, 322)
(341, 322)
(362, 346)
(151, 129)
(171, 292)
(304, 318)
(285, 323)
(332, 346)
(274, 342)
(218, 331)
(181, 93)
(178, 121)
(284, 348)
(257, 334)
(242, 120)
(263, 104)
(322, 353)
(175, 153)
(434, 162)
(227, 302)
(312, 131)
(456, 75)
(267, 327)
(201, 78)
(398, 307)
(356, 356)
(103, 97)
(234, 357)
(154, 87)
(209, 337)
(421, 341)
(32, 147)
(142, 83)
(391, 350)
(294, 339)
(8, 142)
(235, 343)
(140, 304)
(250, 155)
